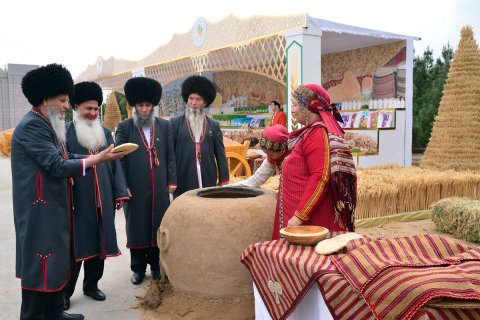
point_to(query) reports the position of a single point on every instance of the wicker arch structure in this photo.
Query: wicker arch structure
(265, 56)
(255, 45)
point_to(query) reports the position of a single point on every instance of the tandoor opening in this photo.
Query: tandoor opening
(230, 192)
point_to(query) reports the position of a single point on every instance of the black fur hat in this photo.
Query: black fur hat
(201, 86)
(46, 82)
(86, 91)
(141, 89)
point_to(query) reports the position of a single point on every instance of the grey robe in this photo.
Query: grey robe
(147, 184)
(94, 230)
(213, 154)
(41, 205)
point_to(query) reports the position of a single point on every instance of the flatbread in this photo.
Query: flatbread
(335, 244)
(128, 147)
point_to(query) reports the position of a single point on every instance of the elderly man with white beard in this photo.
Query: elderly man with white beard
(41, 188)
(150, 174)
(198, 140)
(95, 196)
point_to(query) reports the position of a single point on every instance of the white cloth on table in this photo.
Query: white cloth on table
(311, 307)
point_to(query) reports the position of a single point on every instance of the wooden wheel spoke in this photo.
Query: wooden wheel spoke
(238, 165)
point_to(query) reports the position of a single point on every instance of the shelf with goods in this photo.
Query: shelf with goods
(371, 114)
(241, 117)
(366, 124)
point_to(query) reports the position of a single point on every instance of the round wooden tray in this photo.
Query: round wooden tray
(128, 147)
(304, 235)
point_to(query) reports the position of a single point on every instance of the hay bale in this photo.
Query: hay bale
(459, 217)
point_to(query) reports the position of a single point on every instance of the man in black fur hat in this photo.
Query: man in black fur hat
(198, 140)
(95, 196)
(150, 173)
(42, 208)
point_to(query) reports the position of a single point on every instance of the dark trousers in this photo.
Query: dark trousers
(93, 272)
(41, 305)
(140, 257)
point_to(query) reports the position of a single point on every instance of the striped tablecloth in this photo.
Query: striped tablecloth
(283, 274)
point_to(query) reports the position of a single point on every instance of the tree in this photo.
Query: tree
(428, 80)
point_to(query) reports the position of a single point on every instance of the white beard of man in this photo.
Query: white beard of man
(195, 118)
(90, 133)
(144, 122)
(58, 123)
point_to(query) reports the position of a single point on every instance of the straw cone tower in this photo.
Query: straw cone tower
(112, 113)
(455, 140)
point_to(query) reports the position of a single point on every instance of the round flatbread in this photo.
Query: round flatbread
(128, 147)
(329, 246)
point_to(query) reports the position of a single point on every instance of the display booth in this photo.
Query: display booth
(368, 74)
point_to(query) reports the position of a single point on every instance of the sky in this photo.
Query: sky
(74, 33)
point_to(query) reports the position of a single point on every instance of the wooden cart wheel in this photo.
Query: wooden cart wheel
(238, 165)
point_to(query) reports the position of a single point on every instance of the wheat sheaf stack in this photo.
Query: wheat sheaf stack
(112, 113)
(388, 190)
(392, 189)
(455, 142)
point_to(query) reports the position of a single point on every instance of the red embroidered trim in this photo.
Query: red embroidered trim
(156, 163)
(39, 187)
(44, 267)
(38, 113)
(152, 148)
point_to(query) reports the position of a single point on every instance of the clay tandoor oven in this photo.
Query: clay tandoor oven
(203, 234)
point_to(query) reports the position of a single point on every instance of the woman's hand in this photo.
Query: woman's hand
(294, 221)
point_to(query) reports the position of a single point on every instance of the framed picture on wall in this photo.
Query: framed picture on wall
(362, 142)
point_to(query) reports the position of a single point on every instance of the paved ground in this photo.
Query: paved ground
(115, 282)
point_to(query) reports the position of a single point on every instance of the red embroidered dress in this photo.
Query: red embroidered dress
(305, 185)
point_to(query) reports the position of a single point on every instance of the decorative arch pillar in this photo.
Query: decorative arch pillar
(304, 64)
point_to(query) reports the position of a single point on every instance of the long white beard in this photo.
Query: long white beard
(90, 133)
(58, 123)
(195, 118)
(141, 122)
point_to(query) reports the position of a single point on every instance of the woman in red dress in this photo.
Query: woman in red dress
(278, 117)
(318, 184)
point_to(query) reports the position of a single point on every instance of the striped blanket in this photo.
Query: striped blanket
(284, 273)
(383, 86)
(397, 276)
(345, 303)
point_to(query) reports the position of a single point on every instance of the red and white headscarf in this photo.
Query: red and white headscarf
(316, 99)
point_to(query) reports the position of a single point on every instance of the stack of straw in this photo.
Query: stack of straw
(392, 189)
(112, 113)
(454, 143)
(387, 190)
